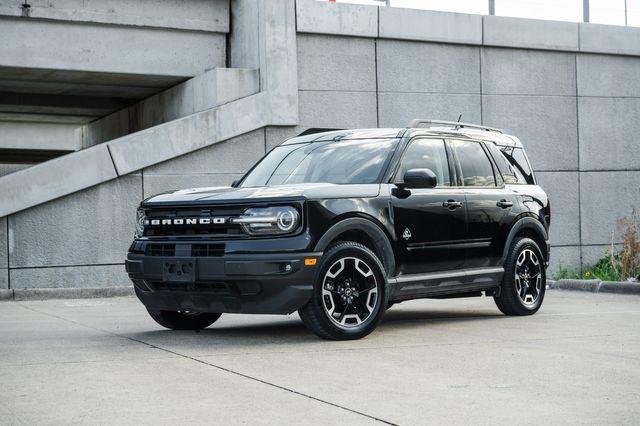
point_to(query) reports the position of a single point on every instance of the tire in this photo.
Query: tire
(184, 320)
(350, 293)
(523, 285)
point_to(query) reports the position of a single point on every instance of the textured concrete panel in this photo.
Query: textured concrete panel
(4, 241)
(204, 15)
(244, 40)
(342, 110)
(89, 227)
(332, 18)
(155, 184)
(336, 63)
(566, 257)
(4, 278)
(405, 66)
(160, 143)
(562, 188)
(528, 72)
(609, 39)
(606, 197)
(427, 25)
(43, 136)
(604, 75)
(609, 129)
(278, 60)
(71, 277)
(546, 125)
(55, 178)
(6, 169)
(592, 254)
(207, 90)
(530, 33)
(104, 48)
(275, 135)
(236, 155)
(398, 109)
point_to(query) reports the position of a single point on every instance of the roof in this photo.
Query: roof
(387, 133)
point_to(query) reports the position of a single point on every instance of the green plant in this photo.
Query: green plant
(564, 273)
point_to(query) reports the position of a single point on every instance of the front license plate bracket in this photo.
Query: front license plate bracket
(182, 270)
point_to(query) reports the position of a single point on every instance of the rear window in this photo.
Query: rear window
(474, 164)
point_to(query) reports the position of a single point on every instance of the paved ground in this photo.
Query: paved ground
(455, 361)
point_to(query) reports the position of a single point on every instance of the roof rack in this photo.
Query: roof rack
(417, 123)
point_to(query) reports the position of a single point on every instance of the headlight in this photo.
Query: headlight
(140, 218)
(269, 221)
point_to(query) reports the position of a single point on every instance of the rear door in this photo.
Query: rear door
(430, 223)
(490, 205)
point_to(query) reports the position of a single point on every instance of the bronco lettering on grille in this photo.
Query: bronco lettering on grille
(187, 221)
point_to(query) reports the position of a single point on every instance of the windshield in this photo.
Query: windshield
(341, 162)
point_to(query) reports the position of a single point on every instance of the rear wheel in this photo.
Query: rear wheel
(349, 294)
(523, 286)
(184, 320)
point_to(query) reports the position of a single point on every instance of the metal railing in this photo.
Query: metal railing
(613, 12)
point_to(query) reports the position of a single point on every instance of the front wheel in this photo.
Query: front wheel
(524, 283)
(177, 320)
(350, 295)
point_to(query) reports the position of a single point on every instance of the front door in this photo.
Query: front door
(430, 224)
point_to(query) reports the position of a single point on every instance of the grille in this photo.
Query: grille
(207, 250)
(166, 250)
(187, 227)
(234, 288)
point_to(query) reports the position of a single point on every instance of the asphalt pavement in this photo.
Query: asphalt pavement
(430, 362)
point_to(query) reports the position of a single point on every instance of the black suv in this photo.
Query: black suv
(339, 225)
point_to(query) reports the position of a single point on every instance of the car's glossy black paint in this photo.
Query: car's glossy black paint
(452, 249)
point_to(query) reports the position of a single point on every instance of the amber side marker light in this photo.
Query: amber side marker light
(310, 262)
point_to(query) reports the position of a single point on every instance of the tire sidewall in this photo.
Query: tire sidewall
(351, 250)
(518, 247)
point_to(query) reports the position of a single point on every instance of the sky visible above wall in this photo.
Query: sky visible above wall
(611, 12)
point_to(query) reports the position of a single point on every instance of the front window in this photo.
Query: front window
(341, 162)
(426, 154)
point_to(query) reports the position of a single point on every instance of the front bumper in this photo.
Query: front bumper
(275, 283)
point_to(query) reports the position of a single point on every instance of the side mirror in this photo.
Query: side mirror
(420, 178)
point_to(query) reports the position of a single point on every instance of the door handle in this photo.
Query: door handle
(452, 204)
(504, 204)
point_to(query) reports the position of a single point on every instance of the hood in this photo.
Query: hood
(229, 195)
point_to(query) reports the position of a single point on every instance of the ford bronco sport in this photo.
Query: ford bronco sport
(339, 225)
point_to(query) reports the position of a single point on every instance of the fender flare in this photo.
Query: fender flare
(369, 227)
(526, 223)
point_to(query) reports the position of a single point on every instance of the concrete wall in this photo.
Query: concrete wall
(575, 107)
(80, 240)
(572, 98)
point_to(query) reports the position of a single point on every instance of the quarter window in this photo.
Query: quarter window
(475, 166)
(510, 174)
(426, 154)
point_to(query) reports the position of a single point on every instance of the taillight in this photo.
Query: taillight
(547, 211)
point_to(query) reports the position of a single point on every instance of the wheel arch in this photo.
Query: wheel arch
(365, 232)
(528, 227)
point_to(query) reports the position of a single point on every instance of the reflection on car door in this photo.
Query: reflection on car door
(489, 204)
(429, 223)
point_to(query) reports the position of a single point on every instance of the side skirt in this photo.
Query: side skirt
(436, 284)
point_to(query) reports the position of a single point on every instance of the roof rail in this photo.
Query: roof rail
(418, 122)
